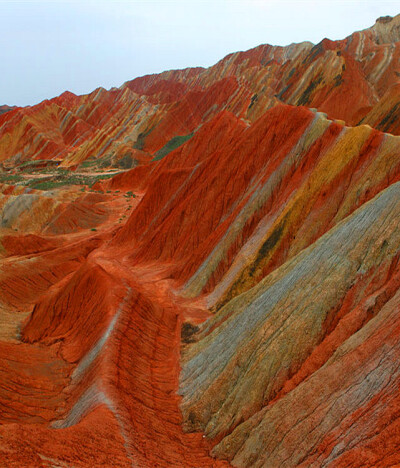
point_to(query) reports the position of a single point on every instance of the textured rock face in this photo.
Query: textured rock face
(231, 297)
(4, 109)
(283, 328)
(346, 79)
(387, 29)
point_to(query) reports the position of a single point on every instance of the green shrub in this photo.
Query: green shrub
(10, 178)
(173, 143)
(141, 139)
(126, 162)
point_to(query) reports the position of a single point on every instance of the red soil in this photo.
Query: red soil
(93, 301)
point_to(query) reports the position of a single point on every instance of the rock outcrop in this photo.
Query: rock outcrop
(201, 268)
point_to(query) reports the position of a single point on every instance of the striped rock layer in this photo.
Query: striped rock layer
(232, 299)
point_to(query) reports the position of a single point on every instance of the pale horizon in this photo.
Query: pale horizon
(52, 47)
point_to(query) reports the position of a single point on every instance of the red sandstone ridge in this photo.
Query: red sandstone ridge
(4, 109)
(201, 268)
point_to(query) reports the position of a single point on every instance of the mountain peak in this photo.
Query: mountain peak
(386, 29)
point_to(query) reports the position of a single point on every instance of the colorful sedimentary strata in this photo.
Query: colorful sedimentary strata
(201, 268)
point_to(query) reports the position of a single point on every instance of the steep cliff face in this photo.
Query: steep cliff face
(216, 281)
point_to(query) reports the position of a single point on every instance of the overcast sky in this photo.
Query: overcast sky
(49, 47)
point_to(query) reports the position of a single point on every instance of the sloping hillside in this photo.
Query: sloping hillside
(201, 268)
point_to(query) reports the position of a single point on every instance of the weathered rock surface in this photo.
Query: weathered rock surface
(296, 325)
(231, 296)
